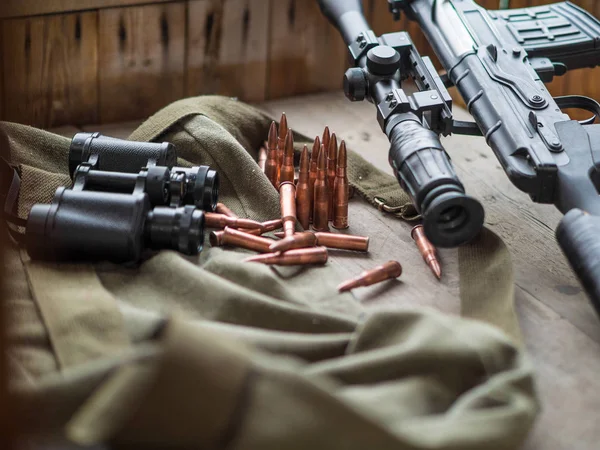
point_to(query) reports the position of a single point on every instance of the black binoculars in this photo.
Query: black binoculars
(88, 225)
(127, 197)
(102, 163)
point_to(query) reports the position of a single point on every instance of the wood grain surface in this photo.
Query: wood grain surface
(141, 59)
(306, 54)
(16, 8)
(50, 69)
(227, 48)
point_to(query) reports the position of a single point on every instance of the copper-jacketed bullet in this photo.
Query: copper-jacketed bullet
(222, 209)
(341, 191)
(287, 201)
(326, 137)
(339, 241)
(214, 220)
(267, 226)
(287, 168)
(272, 163)
(427, 250)
(303, 199)
(321, 195)
(331, 170)
(301, 256)
(298, 240)
(283, 128)
(262, 158)
(387, 271)
(237, 238)
(312, 174)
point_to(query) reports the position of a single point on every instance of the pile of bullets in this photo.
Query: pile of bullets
(317, 196)
(129, 196)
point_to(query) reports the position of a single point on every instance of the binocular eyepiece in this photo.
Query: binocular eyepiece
(98, 162)
(89, 225)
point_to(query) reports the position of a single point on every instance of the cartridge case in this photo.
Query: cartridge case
(312, 174)
(287, 168)
(272, 163)
(331, 170)
(387, 271)
(321, 195)
(222, 209)
(303, 199)
(237, 238)
(271, 225)
(325, 138)
(298, 240)
(287, 202)
(339, 241)
(302, 256)
(427, 250)
(283, 128)
(262, 158)
(341, 191)
(215, 220)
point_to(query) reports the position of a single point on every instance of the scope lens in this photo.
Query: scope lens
(452, 219)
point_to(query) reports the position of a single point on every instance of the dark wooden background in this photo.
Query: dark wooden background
(100, 61)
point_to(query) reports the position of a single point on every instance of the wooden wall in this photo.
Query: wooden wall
(98, 61)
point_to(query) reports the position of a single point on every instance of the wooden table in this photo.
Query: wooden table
(561, 330)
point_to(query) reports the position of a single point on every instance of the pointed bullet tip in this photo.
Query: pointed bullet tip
(436, 268)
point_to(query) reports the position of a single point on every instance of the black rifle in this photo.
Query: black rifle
(499, 62)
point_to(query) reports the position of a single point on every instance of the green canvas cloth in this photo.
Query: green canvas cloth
(212, 352)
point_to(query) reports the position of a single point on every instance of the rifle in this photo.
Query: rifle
(499, 62)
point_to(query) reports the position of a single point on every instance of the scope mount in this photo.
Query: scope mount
(387, 61)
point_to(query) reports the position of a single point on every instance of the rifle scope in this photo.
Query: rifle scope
(106, 156)
(95, 226)
(422, 166)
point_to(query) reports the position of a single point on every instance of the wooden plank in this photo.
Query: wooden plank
(22, 8)
(306, 53)
(141, 58)
(559, 325)
(2, 63)
(227, 48)
(50, 69)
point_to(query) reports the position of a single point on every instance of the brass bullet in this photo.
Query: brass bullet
(262, 158)
(387, 271)
(321, 196)
(237, 238)
(298, 240)
(222, 209)
(271, 225)
(341, 191)
(267, 226)
(312, 175)
(427, 250)
(214, 220)
(303, 199)
(283, 128)
(287, 201)
(301, 256)
(331, 170)
(339, 241)
(326, 137)
(216, 237)
(272, 163)
(287, 168)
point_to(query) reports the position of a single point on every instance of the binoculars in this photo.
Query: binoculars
(101, 163)
(126, 197)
